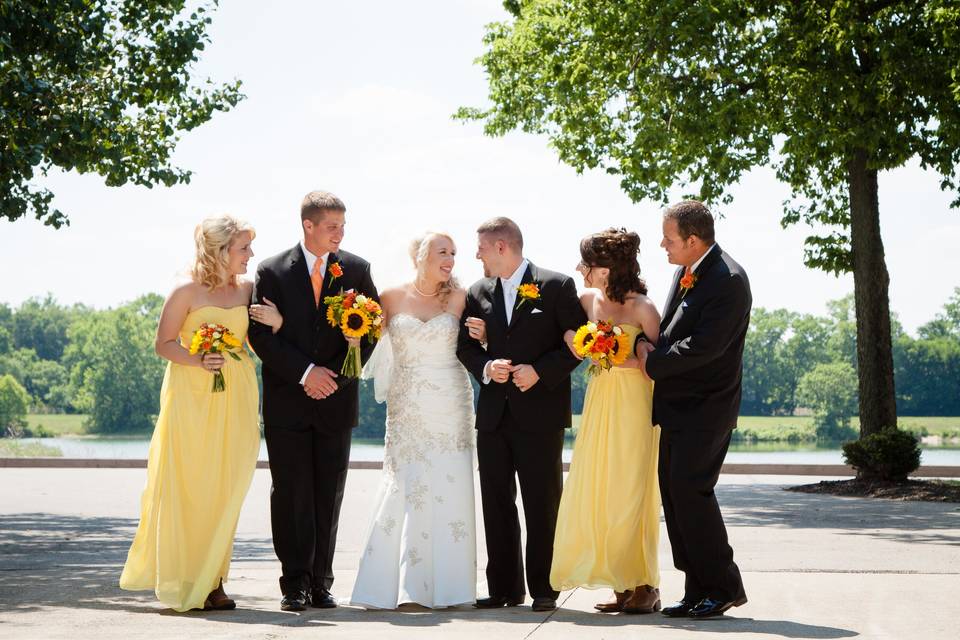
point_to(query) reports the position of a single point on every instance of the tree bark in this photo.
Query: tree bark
(871, 282)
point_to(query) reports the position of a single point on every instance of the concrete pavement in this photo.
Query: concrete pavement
(814, 567)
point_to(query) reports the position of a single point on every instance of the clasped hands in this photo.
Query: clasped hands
(320, 382)
(524, 375)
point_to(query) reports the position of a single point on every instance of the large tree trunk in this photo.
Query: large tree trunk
(878, 408)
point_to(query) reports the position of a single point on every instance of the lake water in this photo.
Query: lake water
(367, 450)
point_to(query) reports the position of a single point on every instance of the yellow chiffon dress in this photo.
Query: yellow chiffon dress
(202, 457)
(608, 526)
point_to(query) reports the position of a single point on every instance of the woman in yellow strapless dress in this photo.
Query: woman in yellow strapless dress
(608, 526)
(205, 444)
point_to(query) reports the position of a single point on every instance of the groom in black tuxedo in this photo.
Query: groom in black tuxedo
(308, 409)
(523, 408)
(697, 367)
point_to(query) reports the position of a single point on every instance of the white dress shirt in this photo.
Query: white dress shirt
(509, 287)
(311, 260)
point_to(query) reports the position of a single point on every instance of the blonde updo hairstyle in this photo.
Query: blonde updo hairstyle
(419, 250)
(213, 238)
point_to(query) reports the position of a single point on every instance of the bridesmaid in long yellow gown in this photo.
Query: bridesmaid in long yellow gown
(205, 444)
(608, 526)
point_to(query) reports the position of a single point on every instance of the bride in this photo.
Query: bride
(420, 546)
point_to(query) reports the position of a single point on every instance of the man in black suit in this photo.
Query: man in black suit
(523, 408)
(697, 367)
(308, 409)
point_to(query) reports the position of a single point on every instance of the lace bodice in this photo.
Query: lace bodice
(418, 343)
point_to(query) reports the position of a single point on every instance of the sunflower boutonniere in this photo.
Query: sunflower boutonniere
(335, 271)
(687, 282)
(529, 291)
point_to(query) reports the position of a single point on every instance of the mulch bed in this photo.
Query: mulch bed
(922, 490)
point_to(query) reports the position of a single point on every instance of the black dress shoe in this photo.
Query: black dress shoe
(708, 607)
(543, 604)
(295, 601)
(494, 602)
(322, 599)
(679, 609)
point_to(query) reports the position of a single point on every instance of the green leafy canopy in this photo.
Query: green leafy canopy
(98, 86)
(668, 93)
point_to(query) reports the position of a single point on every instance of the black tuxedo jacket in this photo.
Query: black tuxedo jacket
(698, 362)
(534, 336)
(306, 337)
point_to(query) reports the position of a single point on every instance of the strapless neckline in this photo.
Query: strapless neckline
(427, 321)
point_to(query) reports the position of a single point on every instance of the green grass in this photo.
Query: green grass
(12, 448)
(59, 424)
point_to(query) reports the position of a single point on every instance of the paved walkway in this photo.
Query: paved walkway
(814, 567)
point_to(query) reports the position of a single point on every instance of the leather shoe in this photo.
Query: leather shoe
(295, 601)
(543, 604)
(679, 609)
(494, 602)
(323, 599)
(644, 599)
(614, 605)
(708, 607)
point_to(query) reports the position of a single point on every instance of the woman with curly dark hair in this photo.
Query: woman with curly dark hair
(609, 521)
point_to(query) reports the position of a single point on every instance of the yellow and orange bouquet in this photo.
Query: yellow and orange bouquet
(357, 316)
(215, 338)
(604, 343)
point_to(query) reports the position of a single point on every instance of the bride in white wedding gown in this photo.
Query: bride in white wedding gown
(420, 545)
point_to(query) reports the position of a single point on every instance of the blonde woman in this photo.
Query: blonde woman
(205, 444)
(420, 546)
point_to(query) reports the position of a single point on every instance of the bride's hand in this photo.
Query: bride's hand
(267, 314)
(568, 339)
(477, 329)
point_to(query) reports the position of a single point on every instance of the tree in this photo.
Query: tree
(831, 391)
(668, 92)
(44, 380)
(14, 401)
(98, 86)
(114, 368)
(41, 325)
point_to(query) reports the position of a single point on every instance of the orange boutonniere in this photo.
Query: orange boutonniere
(686, 282)
(335, 271)
(529, 291)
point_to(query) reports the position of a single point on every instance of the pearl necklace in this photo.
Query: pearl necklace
(425, 295)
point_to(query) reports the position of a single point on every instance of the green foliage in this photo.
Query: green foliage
(928, 376)
(668, 92)
(889, 454)
(114, 368)
(830, 389)
(14, 402)
(98, 86)
(41, 325)
(46, 381)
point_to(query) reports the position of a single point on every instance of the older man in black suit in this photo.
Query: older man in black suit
(697, 367)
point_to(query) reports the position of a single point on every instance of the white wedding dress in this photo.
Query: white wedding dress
(421, 544)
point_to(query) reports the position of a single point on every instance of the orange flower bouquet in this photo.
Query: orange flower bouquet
(604, 343)
(357, 316)
(215, 338)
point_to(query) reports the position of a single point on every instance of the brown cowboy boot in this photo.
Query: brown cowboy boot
(644, 599)
(616, 604)
(218, 600)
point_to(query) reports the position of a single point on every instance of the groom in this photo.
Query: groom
(308, 409)
(697, 367)
(524, 406)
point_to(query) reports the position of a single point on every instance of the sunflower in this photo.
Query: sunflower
(331, 315)
(583, 340)
(621, 350)
(355, 323)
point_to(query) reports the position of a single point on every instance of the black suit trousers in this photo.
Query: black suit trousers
(504, 455)
(308, 465)
(690, 462)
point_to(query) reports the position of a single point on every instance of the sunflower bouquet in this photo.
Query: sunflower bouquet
(606, 345)
(215, 338)
(357, 316)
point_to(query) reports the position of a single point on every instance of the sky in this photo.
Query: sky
(356, 98)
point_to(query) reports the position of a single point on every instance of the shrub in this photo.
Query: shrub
(890, 454)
